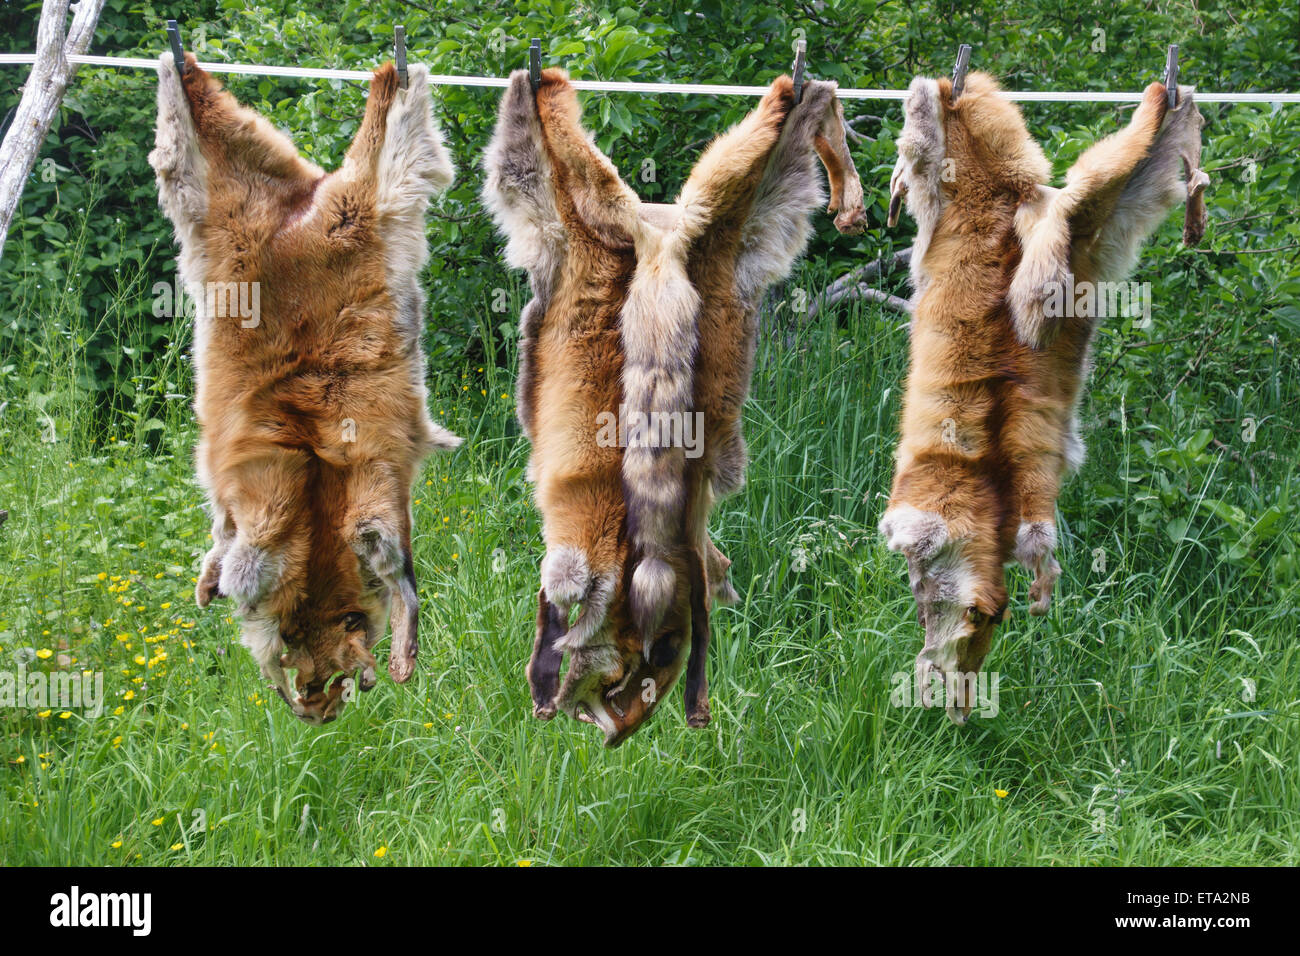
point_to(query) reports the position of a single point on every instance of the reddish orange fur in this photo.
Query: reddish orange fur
(313, 421)
(987, 418)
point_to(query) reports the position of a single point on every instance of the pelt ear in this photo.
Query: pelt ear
(261, 635)
(918, 534)
(354, 656)
(299, 660)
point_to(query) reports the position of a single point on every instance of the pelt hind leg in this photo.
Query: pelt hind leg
(265, 496)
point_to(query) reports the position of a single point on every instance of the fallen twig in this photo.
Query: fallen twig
(851, 285)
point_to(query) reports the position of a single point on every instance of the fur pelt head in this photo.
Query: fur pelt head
(643, 316)
(311, 401)
(989, 425)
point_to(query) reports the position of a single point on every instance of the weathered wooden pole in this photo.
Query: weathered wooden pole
(41, 96)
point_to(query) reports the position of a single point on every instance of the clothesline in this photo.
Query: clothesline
(652, 89)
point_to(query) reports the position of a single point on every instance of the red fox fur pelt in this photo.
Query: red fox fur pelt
(313, 413)
(649, 308)
(989, 423)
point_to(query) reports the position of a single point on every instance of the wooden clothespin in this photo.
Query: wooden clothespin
(800, 54)
(1171, 75)
(535, 63)
(959, 71)
(178, 51)
(399, 54)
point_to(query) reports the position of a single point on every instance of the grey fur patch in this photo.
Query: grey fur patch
(918, 534)
(519, 192)
(591, 621)
(566, 576)
(1035, 540)
(780, 222)
(921, 149)
(1155, 187)
(379, 547)
(247, 573)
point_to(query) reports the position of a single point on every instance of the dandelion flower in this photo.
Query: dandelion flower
(158, 822)
(381, 853)
(45, 653)
(524, 863)
(1000, 793)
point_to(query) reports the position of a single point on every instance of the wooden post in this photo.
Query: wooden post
(41, 97)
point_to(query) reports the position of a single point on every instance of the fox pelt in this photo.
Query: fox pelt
(989, 424)
(312, 412)
(644, 309)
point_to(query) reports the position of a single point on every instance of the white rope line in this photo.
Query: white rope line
(652, 89)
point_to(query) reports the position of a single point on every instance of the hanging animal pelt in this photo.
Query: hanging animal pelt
(1008, 273)
(635, 359)
(310, 376)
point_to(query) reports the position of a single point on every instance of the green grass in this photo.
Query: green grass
(1122, 738)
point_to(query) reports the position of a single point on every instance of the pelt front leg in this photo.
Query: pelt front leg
(543, 671)
(1035, 550)
(223, 533)
(1035, 439)
(695, 689)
